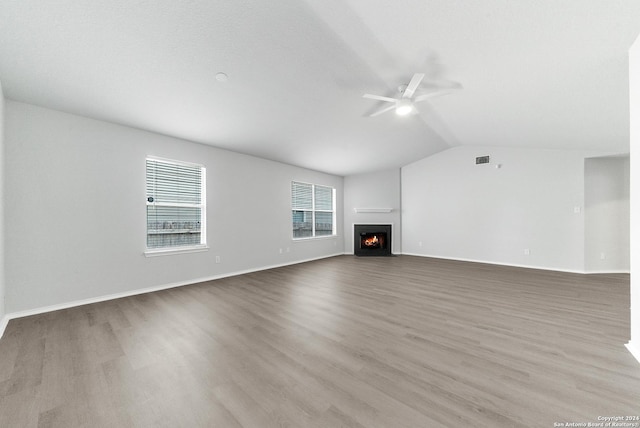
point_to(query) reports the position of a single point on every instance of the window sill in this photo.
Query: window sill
(313, 238)
(175, 250)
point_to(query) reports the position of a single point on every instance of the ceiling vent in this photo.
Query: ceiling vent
(482, 159)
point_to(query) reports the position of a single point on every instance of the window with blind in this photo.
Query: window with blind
(312, 210)
(175, 205)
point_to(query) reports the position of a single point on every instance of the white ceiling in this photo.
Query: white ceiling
(537, 73)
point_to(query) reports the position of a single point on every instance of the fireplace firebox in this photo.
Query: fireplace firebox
(372, 239)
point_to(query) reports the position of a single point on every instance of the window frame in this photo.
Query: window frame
(179, 249)
(334, 228)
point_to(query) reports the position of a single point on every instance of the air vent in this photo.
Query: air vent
(482, 159)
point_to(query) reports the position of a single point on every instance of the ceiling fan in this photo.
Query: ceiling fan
(405, 103)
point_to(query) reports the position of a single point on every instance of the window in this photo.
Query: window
(313, 210)
(175, 206)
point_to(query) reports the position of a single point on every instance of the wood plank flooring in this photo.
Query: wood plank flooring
(340, 342)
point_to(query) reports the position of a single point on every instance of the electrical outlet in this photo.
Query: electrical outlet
(280, 250)
(527, 252)
(217, 259)
(603, 256)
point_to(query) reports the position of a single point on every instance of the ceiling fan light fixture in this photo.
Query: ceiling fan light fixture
(404, 107)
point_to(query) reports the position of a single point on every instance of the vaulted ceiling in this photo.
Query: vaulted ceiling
(545, 73)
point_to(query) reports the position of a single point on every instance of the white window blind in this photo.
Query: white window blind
(312, 210)
(175, 204)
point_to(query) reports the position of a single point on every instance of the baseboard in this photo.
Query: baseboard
(104, 298)
(459, 259)
(555, 269)
(634, 348)
(3, 324)
(608, 271)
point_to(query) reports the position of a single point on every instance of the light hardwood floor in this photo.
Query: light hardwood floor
(346, 341)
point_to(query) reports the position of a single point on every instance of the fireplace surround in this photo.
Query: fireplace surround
(372, 239)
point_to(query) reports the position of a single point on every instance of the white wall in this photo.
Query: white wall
(606, 214)
(2, 205)
(373, 190)
(453, 208)
(634, 90)
(75, 200)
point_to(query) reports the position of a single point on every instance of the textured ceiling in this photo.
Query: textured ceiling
(543, 73)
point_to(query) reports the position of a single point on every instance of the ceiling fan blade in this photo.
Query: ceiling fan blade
(430, 95)
(413, 85)
(380, 98)
(379, 112)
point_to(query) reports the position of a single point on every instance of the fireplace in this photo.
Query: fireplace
(372, 239)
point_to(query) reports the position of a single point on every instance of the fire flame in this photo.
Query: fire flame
(369, 242)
